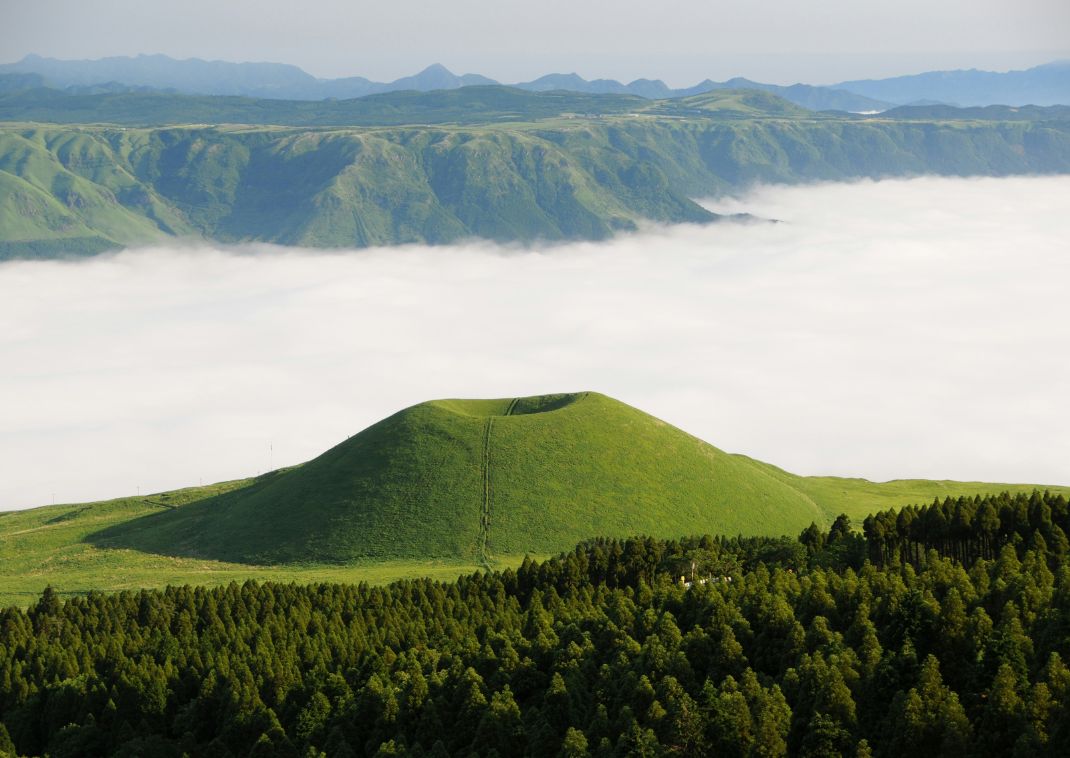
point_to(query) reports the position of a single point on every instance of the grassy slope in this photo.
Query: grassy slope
(48, 545)
(324, 189)
(584, 466)
(69, 185)
(407, 487)
(412, 486)
(860, 497)
(80, 188)
(469, 105)
(466, 106)
(462, 479)
(600, 467)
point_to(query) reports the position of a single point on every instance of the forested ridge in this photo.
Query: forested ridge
(937, 630)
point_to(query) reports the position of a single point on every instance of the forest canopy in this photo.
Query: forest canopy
(936, 630)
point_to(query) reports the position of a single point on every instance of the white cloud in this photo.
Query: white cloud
(889, 329)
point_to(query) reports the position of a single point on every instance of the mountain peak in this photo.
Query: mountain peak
(436, 68)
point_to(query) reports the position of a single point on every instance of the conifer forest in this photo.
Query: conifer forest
(937, 630)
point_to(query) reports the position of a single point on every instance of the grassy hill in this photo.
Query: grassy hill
(735, 103)
(439, 489)
(466, 479)
(509, 166)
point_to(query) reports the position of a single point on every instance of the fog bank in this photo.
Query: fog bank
(887, 330)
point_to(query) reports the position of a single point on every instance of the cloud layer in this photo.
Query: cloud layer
(892, 329)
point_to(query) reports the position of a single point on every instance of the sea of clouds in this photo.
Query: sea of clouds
(913, 328)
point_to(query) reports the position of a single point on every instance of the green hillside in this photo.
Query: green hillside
(52, 546)
(487, 104)
(464, 106)
(466, 479)
(557, 175)
(737, 103)
(468, 105)
(75, 195)
(439, 489)
(470, 479)
(79, 191)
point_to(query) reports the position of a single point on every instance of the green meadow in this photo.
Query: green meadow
(48, 546)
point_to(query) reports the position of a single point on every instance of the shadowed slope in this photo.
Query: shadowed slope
(406, 486)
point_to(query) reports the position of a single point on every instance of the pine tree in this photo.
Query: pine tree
(1003, 718)
(7, 747)
(574, 744)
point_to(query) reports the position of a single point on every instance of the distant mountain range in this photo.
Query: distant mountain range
(813, 98)
(1042, 85)
(282, 81)
(200, 77)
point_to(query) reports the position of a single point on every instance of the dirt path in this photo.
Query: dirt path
(484, 515)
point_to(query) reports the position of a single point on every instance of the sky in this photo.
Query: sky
(679, 41)
(893, 329)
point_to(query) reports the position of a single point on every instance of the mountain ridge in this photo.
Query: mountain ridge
(82, 189)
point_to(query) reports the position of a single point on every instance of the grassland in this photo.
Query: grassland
(860, 497)
(439, 489)
(49, 546)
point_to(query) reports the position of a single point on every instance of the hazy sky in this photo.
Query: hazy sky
(680, 41)
(894, 329)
